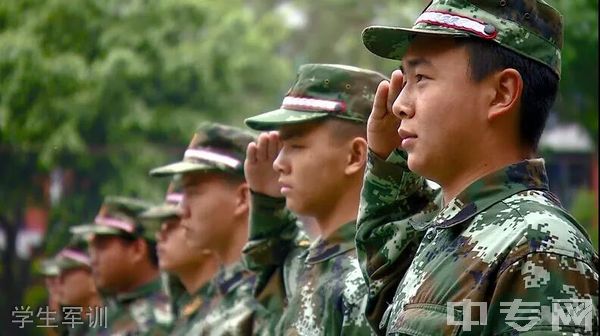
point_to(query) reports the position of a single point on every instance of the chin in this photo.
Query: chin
(415, 164)
(294, 207)
(163, 265)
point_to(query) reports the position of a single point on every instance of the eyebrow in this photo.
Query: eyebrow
(413, 63)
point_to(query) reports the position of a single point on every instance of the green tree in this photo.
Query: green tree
(106, 90)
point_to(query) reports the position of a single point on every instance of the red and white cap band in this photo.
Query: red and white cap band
(459, 22)
(312, 104)
(212, 157)
(115, 223)
(77, 256)
(174, 198)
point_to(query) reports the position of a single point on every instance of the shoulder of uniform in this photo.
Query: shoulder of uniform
(544, 226)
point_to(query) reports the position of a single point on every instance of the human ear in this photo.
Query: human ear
(507, 88)
(357, 156)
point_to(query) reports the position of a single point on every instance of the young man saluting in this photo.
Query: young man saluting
(313, 166)
(478, 79)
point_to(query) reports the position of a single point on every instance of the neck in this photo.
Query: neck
(483, 166)
(199, 273)
(231, 251)
(342, 211)
(144, 275)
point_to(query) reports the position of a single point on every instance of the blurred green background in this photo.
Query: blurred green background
(94, 93)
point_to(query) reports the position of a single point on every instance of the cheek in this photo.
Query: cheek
(176, 245)
(115, 259)
(308, 169)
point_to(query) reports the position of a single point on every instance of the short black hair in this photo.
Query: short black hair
(344, 130)
(540, 83)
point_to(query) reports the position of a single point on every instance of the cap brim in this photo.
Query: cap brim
(91, 229)
(67, 264)
(161, 212)
(180, 168)
(49, 268)
(277, 118)
(392, 42)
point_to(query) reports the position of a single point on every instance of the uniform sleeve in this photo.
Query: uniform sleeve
(393, 202)
(354, 321)
(545, 294)
(274, 232)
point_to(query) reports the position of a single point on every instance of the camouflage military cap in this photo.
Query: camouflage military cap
(170, 208)
(214, 147)
(118, 216)
(323, 91)
(73, 255)
(531, 28)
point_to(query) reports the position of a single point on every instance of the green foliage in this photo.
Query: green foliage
(114, 88)
(578, 99)
(585, 210)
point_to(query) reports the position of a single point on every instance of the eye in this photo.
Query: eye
(419, 77)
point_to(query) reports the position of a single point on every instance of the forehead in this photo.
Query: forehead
(429, 50)
(302, 130)
(104, 239)
(200, 178)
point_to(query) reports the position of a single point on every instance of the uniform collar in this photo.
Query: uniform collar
(142, 291)
(191, 303)
(338, 242)
(230, 277)
(491, 189)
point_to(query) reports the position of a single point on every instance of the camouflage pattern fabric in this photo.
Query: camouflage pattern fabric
(214, 147)
(322, 283)
(233, 310)
(119, 216)
(324, 91)
(531, 28)
(505, 240)
(191, 309)
(144, 311)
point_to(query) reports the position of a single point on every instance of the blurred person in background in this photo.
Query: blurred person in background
(50, 271)
(190, 270)
(125, 267)
(78, 295)
(215, 217)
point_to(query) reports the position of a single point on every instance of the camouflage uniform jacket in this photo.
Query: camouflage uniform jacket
(233, 310)
(191, 309)
(322, 283)
(505, 238)
(144, 311)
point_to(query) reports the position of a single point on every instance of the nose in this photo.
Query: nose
(403, 107)
(185, 207)
(280, 164)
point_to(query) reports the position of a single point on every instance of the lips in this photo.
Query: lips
(404, 134)
(407, 138)
(284, 187)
